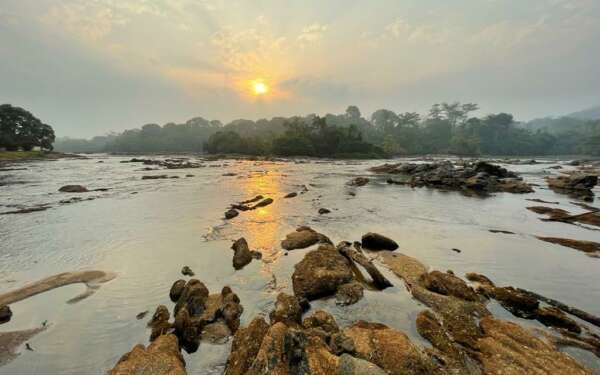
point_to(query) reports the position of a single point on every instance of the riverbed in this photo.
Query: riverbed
(145, 231)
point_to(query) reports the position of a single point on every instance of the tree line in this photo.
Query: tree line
(448, 128)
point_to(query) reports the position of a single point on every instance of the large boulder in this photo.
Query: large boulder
(245, 347)
(389, 349)
(320, 273)
(162, 357)
(375, 241)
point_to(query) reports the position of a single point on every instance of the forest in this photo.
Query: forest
(448, 128)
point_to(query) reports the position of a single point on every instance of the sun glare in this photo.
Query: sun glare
(260, 88)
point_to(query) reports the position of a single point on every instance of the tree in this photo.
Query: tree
(21, 129)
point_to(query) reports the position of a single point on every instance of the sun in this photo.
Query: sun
(259, 88)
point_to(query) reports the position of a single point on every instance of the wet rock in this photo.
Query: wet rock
(541, 201)
(322, 320)
(141, 315)
(27, 210)
(154, 177)
(552, 212)
(10, 342)
(349, 293)
(375, 241)
(340, 343)
(500, 231)
(287, 310)
(447, 284)
(518, 303)
(323, 211)
(302, 238)
(554, 317)
(160, 315)
(242, 254)
(350, 365)
(263, 203)
(176, 290)
(291, 195)
(162, 357)
(194, 297)
(573, 182)
(5, 314)
(479, 278)
(389, 349)
(246, 344)
(589, 247)
(320, 273)
(230, 214)
(507, 348)
(187, 271)
(359, 181)
(73, 189)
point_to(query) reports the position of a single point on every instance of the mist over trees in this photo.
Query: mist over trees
(19, 129)
(448, 128)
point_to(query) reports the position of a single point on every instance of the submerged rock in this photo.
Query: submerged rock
(515, 301)
(359, 181)
(162, 357)
(323, 211)
(320, 273)
(73, 189)
(291, 195)
(230, 214)
(375, 241)
(554, 317)
(5, 314)
(588, 247)
(187, 271)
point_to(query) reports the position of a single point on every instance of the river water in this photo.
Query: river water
(146, 230)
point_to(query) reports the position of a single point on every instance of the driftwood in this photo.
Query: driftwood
(593, 319)
(379, 280)
(90, 278)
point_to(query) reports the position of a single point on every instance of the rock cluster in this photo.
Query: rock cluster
(479, 177)
(259, 201)
(161, 357)
(577, 185)
(167, 163)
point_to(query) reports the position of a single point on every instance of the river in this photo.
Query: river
(147, 230)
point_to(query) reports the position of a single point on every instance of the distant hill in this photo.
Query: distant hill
(587, 114)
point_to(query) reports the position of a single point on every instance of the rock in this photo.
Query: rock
(500, 231)
(154, 177)
(73, 189)
(160, 315)
(242, 254)
(141, 315)
(448, 285)
(374, 241)
(10, 342)
(291, 195)
(176, 290)
(359, 181)
(340, 343)
(573, 182)
(349, 293)
(5, 314)
(552, 212)
(230, 214)
(287, 310)
(263, 203)
(517, 302)
(479, 278)
(320, 273)
(216, 333)
(323, 320)
(302, 238)
(509, 349)
(323, 211)
(194, 297)
(350, 365)
(162, 357)
(246, 344)
(554, 317)
(588, 247)
(389, 349)
(187, 271)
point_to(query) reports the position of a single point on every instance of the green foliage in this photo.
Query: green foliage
(19, 129)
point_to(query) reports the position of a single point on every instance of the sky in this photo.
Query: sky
(88, 67)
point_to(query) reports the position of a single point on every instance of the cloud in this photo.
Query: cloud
(312, 33)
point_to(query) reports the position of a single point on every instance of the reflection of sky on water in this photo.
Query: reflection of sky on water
(147, 237)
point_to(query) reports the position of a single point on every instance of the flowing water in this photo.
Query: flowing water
(146, 230)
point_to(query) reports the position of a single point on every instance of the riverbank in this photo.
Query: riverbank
(20, 156)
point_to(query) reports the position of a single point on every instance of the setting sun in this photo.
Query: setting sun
(260, 88)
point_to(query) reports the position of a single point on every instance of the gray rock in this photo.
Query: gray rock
(350, 365)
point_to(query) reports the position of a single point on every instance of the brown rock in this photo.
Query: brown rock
(287, 310)
(302, 238)
(242, 255)
(518, 303)
(263, 203)
(245, 346)
(359, 181)
(554, 317)
(162, 357)
(194, 297)
(447, 284)
(589, 247)
(320, 273)
(375, 241)
(323, 320)
(389, 349)
(509, 349)
(349, 293)
(176, 290)
(230, 214)
(291, 195)
(5, 314)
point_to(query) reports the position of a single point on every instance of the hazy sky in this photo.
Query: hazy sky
(90, 66)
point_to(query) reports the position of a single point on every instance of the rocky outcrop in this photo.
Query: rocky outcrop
(379, 281)
(162, 357)
(302, 238)
(350, 365)
(375, 241)
(242, 254)
(320, 273)
(448, 285)
(246, 344)
(578, 185)
(589, 247)
(555, 214)
(480, 176)
(73, 189)
(5, 314)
